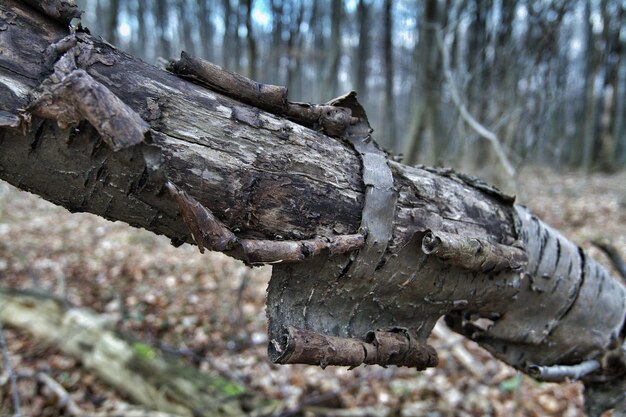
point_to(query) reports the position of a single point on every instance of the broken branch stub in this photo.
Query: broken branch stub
(269, 251)
(272, 98)
(473, 254)
(206, 230)
(331, 119)
(395, 347)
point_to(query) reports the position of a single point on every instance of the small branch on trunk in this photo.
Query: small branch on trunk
(559, 373)
(71, 95)
(331, 119)
(472, 253)
(272, 98)
(210, 233)
(395, 347)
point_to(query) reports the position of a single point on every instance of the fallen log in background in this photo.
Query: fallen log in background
(135, 369)
(259, 180)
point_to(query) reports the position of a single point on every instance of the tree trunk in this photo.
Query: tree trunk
(206, 10)
(388, 103)
(367, 253)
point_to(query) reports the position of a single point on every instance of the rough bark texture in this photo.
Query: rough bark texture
(228, 176)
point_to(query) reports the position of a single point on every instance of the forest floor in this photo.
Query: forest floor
(209, 310)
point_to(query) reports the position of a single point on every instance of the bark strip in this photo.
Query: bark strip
(379, 348)
(473, 254)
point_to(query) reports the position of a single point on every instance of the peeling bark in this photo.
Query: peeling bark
(362, 244)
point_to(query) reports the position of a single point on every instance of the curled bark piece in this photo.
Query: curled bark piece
(272, 98)
(269, 251)
(472, 253)
(380, 348)
(206, 230)
(62, 10)
(559, 373)
(70, 98)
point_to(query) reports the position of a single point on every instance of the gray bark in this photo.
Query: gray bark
(106, 133)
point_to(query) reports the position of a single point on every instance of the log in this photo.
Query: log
(360, 244)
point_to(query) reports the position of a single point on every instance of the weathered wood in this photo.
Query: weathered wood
(269, 182)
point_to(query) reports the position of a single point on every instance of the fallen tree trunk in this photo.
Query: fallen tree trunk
(367, 253)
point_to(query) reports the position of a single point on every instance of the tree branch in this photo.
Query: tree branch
(361, 232)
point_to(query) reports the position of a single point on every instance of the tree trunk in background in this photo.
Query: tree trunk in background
(113, 13)
(613, 17)
(206, 9)
(619, 127)
(162, 23)
(238, 48)
(389, 131)
(127, 141)
(251, 41)
(589, 109)
(426, 95)
(294, 50)
(140, 33)
(361, 57)
(276, 52)
(331, 82)
(412, 141)
(188, 22)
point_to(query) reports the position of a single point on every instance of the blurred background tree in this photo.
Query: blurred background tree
(547, 78)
